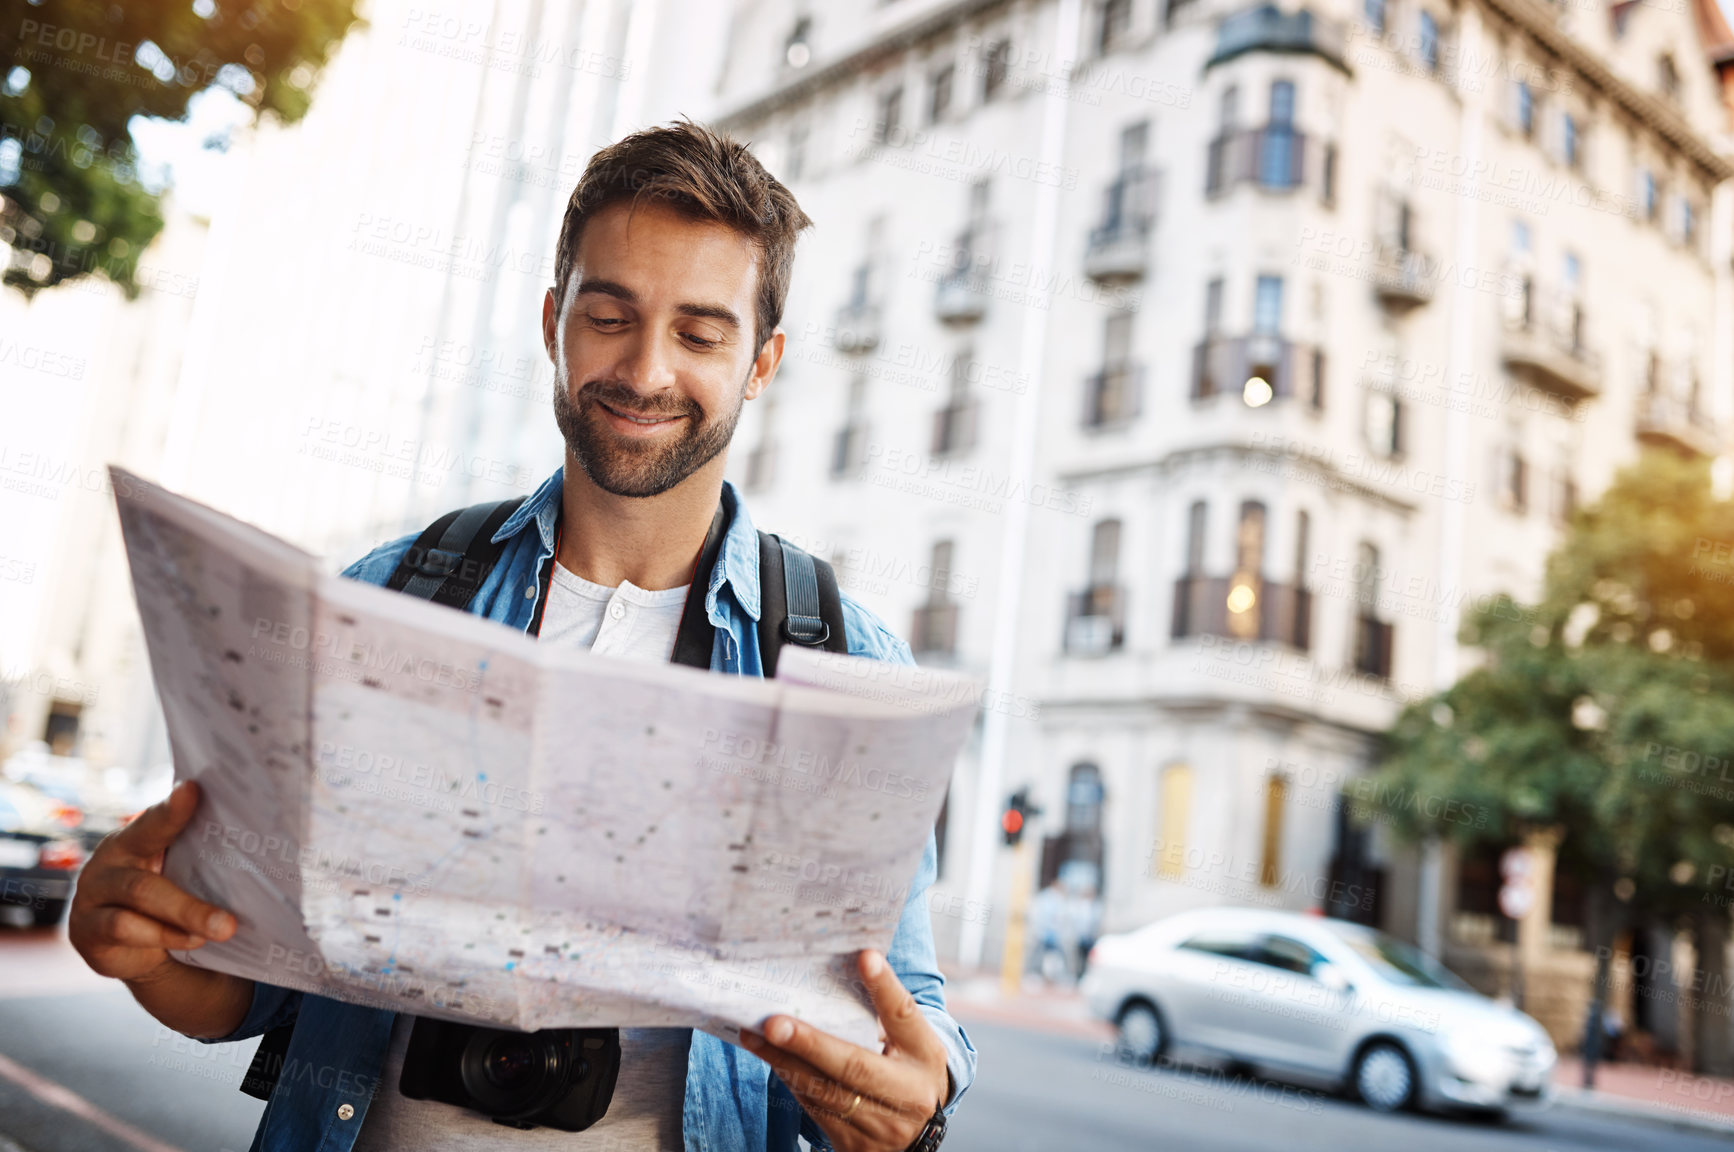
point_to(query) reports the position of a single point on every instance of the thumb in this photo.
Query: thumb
(154, 829)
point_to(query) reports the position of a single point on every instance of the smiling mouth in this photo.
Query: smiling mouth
(641, 421)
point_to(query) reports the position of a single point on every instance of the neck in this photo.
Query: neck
(653, 541)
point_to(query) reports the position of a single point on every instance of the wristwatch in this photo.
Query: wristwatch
(931, 1135)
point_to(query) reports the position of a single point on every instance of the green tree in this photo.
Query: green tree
(74, 73)
(1605, 712)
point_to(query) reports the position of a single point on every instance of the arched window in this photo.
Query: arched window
(1173, 815)
(1084, 800)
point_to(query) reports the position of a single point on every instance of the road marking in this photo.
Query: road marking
(67, 1100)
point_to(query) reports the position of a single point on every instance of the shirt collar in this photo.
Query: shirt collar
(738, 566)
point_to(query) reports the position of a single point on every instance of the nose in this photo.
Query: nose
(647, 364)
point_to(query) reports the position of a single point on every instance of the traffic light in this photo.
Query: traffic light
(1018, 810)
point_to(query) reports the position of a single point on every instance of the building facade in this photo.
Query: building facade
(1186, 370)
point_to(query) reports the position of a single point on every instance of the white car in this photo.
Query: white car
(1326, 1000)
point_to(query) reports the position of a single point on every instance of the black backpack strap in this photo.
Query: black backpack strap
(267, 1063)
(452, 557)
(798, 602)
(697, 635)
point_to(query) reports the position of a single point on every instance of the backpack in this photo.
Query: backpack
(798, 598)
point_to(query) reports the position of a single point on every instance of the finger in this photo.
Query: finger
(159, 898)
(124, 928)
(825, 1100)
(851, 1065)
(154, 829)
(899, 1014)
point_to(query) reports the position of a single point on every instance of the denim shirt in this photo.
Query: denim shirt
(732, 1101)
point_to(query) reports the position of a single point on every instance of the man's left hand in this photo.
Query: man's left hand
(865, 1101)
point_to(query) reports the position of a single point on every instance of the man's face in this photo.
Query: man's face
(653, 347)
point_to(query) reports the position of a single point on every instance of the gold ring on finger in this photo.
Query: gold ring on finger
(850, 1111)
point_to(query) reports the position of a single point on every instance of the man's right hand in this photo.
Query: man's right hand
(125, 914)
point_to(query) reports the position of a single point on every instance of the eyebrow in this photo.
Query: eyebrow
(625, 295)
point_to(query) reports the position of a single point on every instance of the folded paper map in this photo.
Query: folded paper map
(419, 809)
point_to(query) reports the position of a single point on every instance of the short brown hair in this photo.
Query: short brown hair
(705, 176)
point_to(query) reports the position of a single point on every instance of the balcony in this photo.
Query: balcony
(1244, 608)
(1112, 396)
(1373, 646)
(1226, 364)
(954, 428)
(1543, 343)
(933, 632)
(1119, 246)
(961, 295)
(1095, 620)
(1669, 422)
(848, 450)
(1270, 29)
(857, 327)
(1277, 158)
(1403, 278)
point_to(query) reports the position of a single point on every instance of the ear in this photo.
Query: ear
(550, 325)
(765, 367)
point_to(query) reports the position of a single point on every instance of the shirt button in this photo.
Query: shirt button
(345, 1111)
(616, 609)
(530, 592)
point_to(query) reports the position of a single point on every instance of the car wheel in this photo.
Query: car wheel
(1143, 1036)
(50, 914)
(1385, 1077)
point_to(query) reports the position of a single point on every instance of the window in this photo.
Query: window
(1569, 150)
(1519, 239)
(1172, 10)
(1648, 195)
(886, 122)
(935, 628)
(1525, 110)
(1384, 422)
(847, 450)
(1235, 944)
(1134, 142)
(939, 93)
(1173, 815)
(939, 585)
(1667, 77)
(1373, 12)
(1279, 155)
(1246, 587)
(1282, 104)
(1367, 577)
(1105, 554)
(996, 68)
(1195, 523)
(1513, 479)
(1084, 800)
(1228, 109)
(1288, 954)
(1267, 306)
(1275, 796)
(1428, 44)
(1303, 530)
(1116, 22)
(1213, 307)
(1688, 222)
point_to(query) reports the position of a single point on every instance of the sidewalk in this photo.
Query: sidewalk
(1659, 1095)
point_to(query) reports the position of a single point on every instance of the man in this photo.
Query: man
(671, 273)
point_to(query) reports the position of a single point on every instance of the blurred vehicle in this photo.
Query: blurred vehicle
(40, 852)
(1319, 1000)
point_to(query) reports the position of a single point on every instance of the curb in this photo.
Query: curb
(1625, 1106)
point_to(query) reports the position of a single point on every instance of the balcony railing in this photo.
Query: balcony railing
(848, 449)
(1276, 157)
(1671, 422)
(1112, 396)
(1373, 646)
(954, 428)
(857, 326)
(1544, 341)
(1095, 620)
(1249, 609)
(1269, 29)
(933, 632)
(1119, 245)
(1225, 363)
(1403, 277)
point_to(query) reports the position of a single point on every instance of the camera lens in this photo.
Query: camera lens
(513, 1074)
(510, 1063)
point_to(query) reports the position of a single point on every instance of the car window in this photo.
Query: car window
(1401, 963)
(1220, 942)
(1288, 954)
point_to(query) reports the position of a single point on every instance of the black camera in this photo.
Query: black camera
(556, 1078)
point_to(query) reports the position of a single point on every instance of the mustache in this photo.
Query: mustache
(622, 398)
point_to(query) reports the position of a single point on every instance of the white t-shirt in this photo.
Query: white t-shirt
(650, 1094)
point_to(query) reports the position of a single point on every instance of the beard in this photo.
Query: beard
(624, 467)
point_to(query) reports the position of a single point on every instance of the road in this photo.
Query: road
(83, 1069)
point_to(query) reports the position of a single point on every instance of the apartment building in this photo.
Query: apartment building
(1186, 368)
